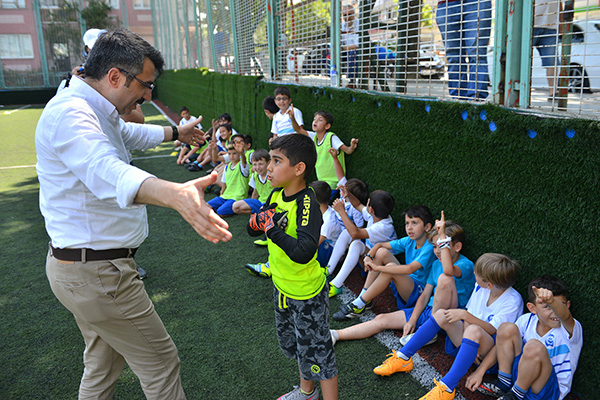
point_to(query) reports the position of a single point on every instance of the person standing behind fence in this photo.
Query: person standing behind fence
(93, 201)
(465, 26)
(349, 44)
(547, 18)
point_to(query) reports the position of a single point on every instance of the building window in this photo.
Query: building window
(16, 46)
(12, 3)
(142, 4)
(49, 3)
(114, 4)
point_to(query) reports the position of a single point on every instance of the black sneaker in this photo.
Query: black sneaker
(347, 312)
(509, 396)
(194, 168)
(491, 389)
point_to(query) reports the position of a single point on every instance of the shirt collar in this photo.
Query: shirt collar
(93, 97)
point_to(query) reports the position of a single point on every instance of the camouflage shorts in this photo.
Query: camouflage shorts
(303, 333)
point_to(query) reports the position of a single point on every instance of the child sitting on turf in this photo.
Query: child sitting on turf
(380, 228)
(537, 355)
(330, 230)
(184, 148)
(235, 181)
(449, 285)
(291, 220)
(259, 182)
(408, 280)
(218, 150)
(358, 189)
(282, 125)
(325, 141)
(471, 332)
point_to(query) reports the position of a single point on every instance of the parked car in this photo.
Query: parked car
(431, 60)
(584, 71)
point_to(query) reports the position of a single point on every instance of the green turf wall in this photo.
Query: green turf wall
(521, 185)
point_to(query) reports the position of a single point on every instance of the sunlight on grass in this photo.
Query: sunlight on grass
(157, 298)
(14, 225)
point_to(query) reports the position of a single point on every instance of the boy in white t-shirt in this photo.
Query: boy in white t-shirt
(380, 228)
(184, 148)
(537, 355)
(330, 230)
(470, 332)
(282, 125)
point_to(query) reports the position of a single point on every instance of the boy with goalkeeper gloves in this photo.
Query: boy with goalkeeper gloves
(291, 219)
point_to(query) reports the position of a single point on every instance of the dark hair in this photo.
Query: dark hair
(284, 91)
(225, 116)
(421, 212)
(248, 139)
(226, 126)
(322, 191)
(237, 135)
(328, 117)
(297, 148)
(121, 49)
(358, 189)
(182, 109)
(382, 203)
(269, 105)
(552, 283)
(261, 154)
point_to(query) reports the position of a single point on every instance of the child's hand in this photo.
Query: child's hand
(543, 295)
(454, 315)
(343, 191)
(368, 263)
(290, 112)
(409, 328)
(215, 124)
(353, 144)
(239, 147)
(338, 205)
(473, 381)
(333, 152)
(440, 226)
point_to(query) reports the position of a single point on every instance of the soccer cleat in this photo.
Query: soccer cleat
(334, 291)
(393, 364)
(405, 339)
(369, 305)
(509, 396)
(296, 394)
(439, 392)
(259, 269)
(174, 153)
(260, 242)
(347, 312)
(491, 389)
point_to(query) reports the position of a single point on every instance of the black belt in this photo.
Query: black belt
(91, 255)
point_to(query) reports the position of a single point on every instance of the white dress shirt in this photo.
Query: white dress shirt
(87, 186)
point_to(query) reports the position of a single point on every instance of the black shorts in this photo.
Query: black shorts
(303, 334)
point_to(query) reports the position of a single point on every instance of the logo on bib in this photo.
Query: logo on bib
(315, 369)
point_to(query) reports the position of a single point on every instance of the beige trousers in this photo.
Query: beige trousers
(119, 324)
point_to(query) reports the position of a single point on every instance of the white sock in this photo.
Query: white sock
(354, 252)
(359, 302)
(338, 250)
(335, 335)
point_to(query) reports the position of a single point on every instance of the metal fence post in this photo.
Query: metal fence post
(154, 24)
(272, 37)
(499, 59)
(2, 83)
(82, 24)
(566, 30)
(41, 43)
(198, 43)
(526, 49)
(187, 32)
(513, 53)
(124, 16)
(234, 34)
(336, 58)
(210, 34)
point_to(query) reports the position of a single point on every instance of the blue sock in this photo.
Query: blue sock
(504, 381)
(520, 393)
(464, 359)
(424, 334)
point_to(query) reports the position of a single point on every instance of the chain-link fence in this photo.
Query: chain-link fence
(543, 55)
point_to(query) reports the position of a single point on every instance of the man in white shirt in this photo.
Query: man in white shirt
(93, 202)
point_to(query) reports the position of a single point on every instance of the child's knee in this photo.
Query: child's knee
(474, 333)
(507, 331)
(535, 350)
(445, 282)
(237, 206)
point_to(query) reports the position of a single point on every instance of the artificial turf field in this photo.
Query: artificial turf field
(220, 317)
